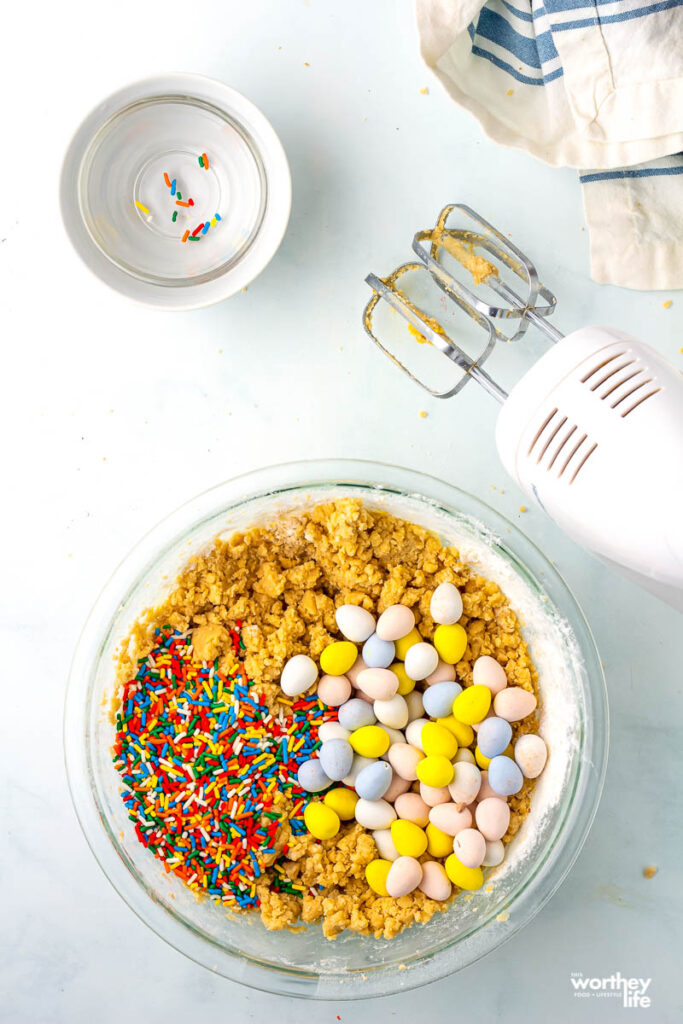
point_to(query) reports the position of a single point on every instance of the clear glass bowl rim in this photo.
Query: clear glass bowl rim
(278, 481)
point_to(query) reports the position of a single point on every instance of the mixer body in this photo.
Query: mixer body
(593, 432)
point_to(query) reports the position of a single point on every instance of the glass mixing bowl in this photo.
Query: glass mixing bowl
(573, 719)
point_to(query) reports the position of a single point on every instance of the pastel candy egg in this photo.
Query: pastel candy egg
(485, 790)
(376, 874)
(373, 781)
(435, 770)
(443, 673)
(392, 712)
(435, 884)
(355, 670)
(369, 741)
(466, 782)
(439, 844)
(493, 736)
(438, 699)
(450, 642)
(321, 821)
(495, 853)
(463, 754)
(513, 703)
(378, 683)
(421, 660)
(336, 758)
(462, 876)
(492, 817)
(434, 795)
(409, 839)
(486, 671)
(449, 819)
(505, 776)
(445, 606)
(405, 684)
(411, 807)
(338, 657)
(395, 736)
(472, 704)
(469, 846)
(378, 653)
(332, 731)
(406, 642)
(311, 776)
(342, 801)
(414, 732)
(404, 759)
(355, 623)
(334, 690)
(437, 740)
(355, 714)
(374, 814)
(404, 876)
(395, 622)
(531, 754)
(299, 673)
(359, 763)
(415, 705)
(397, 787)
(385, 844)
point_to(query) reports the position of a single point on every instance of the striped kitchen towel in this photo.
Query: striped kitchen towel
(582, 83)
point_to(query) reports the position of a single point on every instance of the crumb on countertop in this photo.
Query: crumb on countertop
(668, 304)
(424, 91)
(650, 871)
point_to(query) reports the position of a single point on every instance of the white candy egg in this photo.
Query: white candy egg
(466, 782)
(392, 712)
(445, 606)
(531, 754)
(395, 622)
(356, 623)
(378, 683)
(405, 874)
(359, 762)
(374, 814)
(385, 844)
(332, 731)
(414, 732)
(463, 755)
(421, 660)
(495, 853)
(299, 673)
(469, 846)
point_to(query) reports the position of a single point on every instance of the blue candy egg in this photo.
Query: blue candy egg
(378, 653)
(374, 780)
(311, 776)
(355, 714)
(504, 776)
(438, 699)
(336, 758)
(493, 736)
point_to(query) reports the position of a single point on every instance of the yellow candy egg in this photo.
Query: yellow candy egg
(464, 734)
(376, 875)
(408, 838)
(342, 801)
(321, 821)
(435, 771)
(406, 642)
(464, 878)
(472, 705)
(405, 685)
(370, 741)
(450, 642)
(438, 740)
(438, 843)
(482, 760)
(337, 658)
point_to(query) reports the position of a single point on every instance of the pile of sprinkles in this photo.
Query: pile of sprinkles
(205, 766)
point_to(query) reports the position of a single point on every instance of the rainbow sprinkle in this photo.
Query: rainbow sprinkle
(140, 206)
(203, 762)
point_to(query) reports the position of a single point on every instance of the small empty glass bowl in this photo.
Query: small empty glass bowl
(176, 191)
(573, 721)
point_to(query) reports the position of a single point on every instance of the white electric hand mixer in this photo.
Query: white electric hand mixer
(593, 432)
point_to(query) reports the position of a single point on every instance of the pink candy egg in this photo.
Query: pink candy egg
(449, 819)
(415, 705)
(334, 690)
(486, 671)
(395, 622)
(405, 874)
(357, 667)
(469, 846)
(492, 817)
(443, 673)
(412, 807)
(396, 787)
(513, 703)
(466, 782)
(434, 795)
(531, 754)
(378, 683)
(404, 759)
(485, 790)
(435, 883)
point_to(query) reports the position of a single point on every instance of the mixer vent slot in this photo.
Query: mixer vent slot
(565, 448)
(618, 378)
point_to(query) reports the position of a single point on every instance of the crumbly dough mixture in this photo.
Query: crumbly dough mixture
(284, 581)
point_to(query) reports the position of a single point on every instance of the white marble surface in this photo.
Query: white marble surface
(94, 388)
